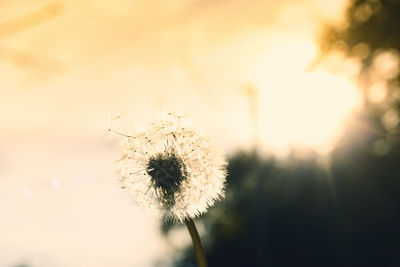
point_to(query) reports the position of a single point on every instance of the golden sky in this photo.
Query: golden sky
(142, 55)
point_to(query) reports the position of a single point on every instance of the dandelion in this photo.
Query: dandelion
(172, 168)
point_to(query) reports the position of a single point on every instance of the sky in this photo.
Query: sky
(241, 69)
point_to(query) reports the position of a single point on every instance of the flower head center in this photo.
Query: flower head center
(167, 173)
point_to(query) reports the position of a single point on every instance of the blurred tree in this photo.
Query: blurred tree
(300, 214)
(371, 26)
(370, 35)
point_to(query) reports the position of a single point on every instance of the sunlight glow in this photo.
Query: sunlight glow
(300, 108)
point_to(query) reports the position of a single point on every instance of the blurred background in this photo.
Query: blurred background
(303, 96)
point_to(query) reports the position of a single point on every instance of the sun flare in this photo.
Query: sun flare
(300, 107)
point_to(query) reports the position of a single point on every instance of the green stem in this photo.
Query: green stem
(198, 248)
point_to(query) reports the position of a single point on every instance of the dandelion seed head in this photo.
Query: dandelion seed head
(171, 167)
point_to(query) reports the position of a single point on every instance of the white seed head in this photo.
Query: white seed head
(171, 167)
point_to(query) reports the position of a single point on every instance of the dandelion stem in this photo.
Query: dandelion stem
(198, 248)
